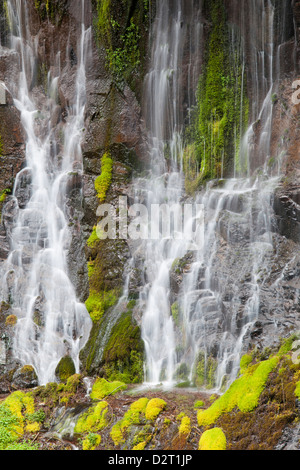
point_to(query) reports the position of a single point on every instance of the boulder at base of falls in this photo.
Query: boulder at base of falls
(64, 369)
(24, 378)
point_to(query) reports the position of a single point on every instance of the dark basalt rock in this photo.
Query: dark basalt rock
(24, 378)
(287, 210)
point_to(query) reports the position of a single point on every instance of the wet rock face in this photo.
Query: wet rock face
(12, 137)
(8, 365)
(287, 210)
(247, 287)
(24, 378)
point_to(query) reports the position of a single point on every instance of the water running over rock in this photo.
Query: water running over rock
(52, 323)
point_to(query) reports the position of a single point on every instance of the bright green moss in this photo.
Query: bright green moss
(17, 414)
(205, 371)
(154, 408)
(132, 417)
(123, 354)
(102, 388)
(126, 58)
(68, 390)
(91, 442)
(140, 446)
(245, 362)
(94, 420)
(65, 369)
(198, 404)
(5, 192)
(287, 345)
(185, 426)
(244, 393)
(297, 390)
(213, 439)
(98, 303)
(103, 181)
(93, 238)
(213, 140)
(104, 21)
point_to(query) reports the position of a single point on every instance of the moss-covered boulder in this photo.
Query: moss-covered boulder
(123, 355)
(213, 439)
(24, 377)
(65, 369)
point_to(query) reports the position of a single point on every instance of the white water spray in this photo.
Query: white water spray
(51, 321)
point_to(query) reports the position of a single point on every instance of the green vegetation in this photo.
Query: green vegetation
(185, 426)
(154, 407)
(68, 390)
(123, 355)
(244, 393)
(119, 28)
(125, 59)
(133, 416)
(65, 369)
(3, 194)
(91, 441)
(198, 404)
(205, 371)
(16, 418)
(102, 388)
(244, 362)
(175, 313)
(51, 10)
(103, 181)
(93, 420)
(221, 115)
(98, 303)
(213, 439)
(93, 238)
(263, 397)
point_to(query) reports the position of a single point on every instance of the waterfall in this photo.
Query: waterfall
(198, 335)
(51, 322)
(165, 185)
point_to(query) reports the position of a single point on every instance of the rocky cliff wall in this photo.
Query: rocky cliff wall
(115, 126)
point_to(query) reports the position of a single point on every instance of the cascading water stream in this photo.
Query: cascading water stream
(51, 321)
(166, 183)
(205, 332)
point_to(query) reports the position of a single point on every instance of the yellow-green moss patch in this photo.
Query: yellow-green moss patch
(244, 393)
(16, 417)
(103, 181)
(91, 442)
(213, 439)
(154, 408)
(132, 417)
(98, 303)
(93, 420)
(102, 388)
(185, 426)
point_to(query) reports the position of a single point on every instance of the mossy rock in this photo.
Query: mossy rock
(124, 352)
(65, 369)
(24, 378)
(213, 439)
(154, 407)
(102, 388)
